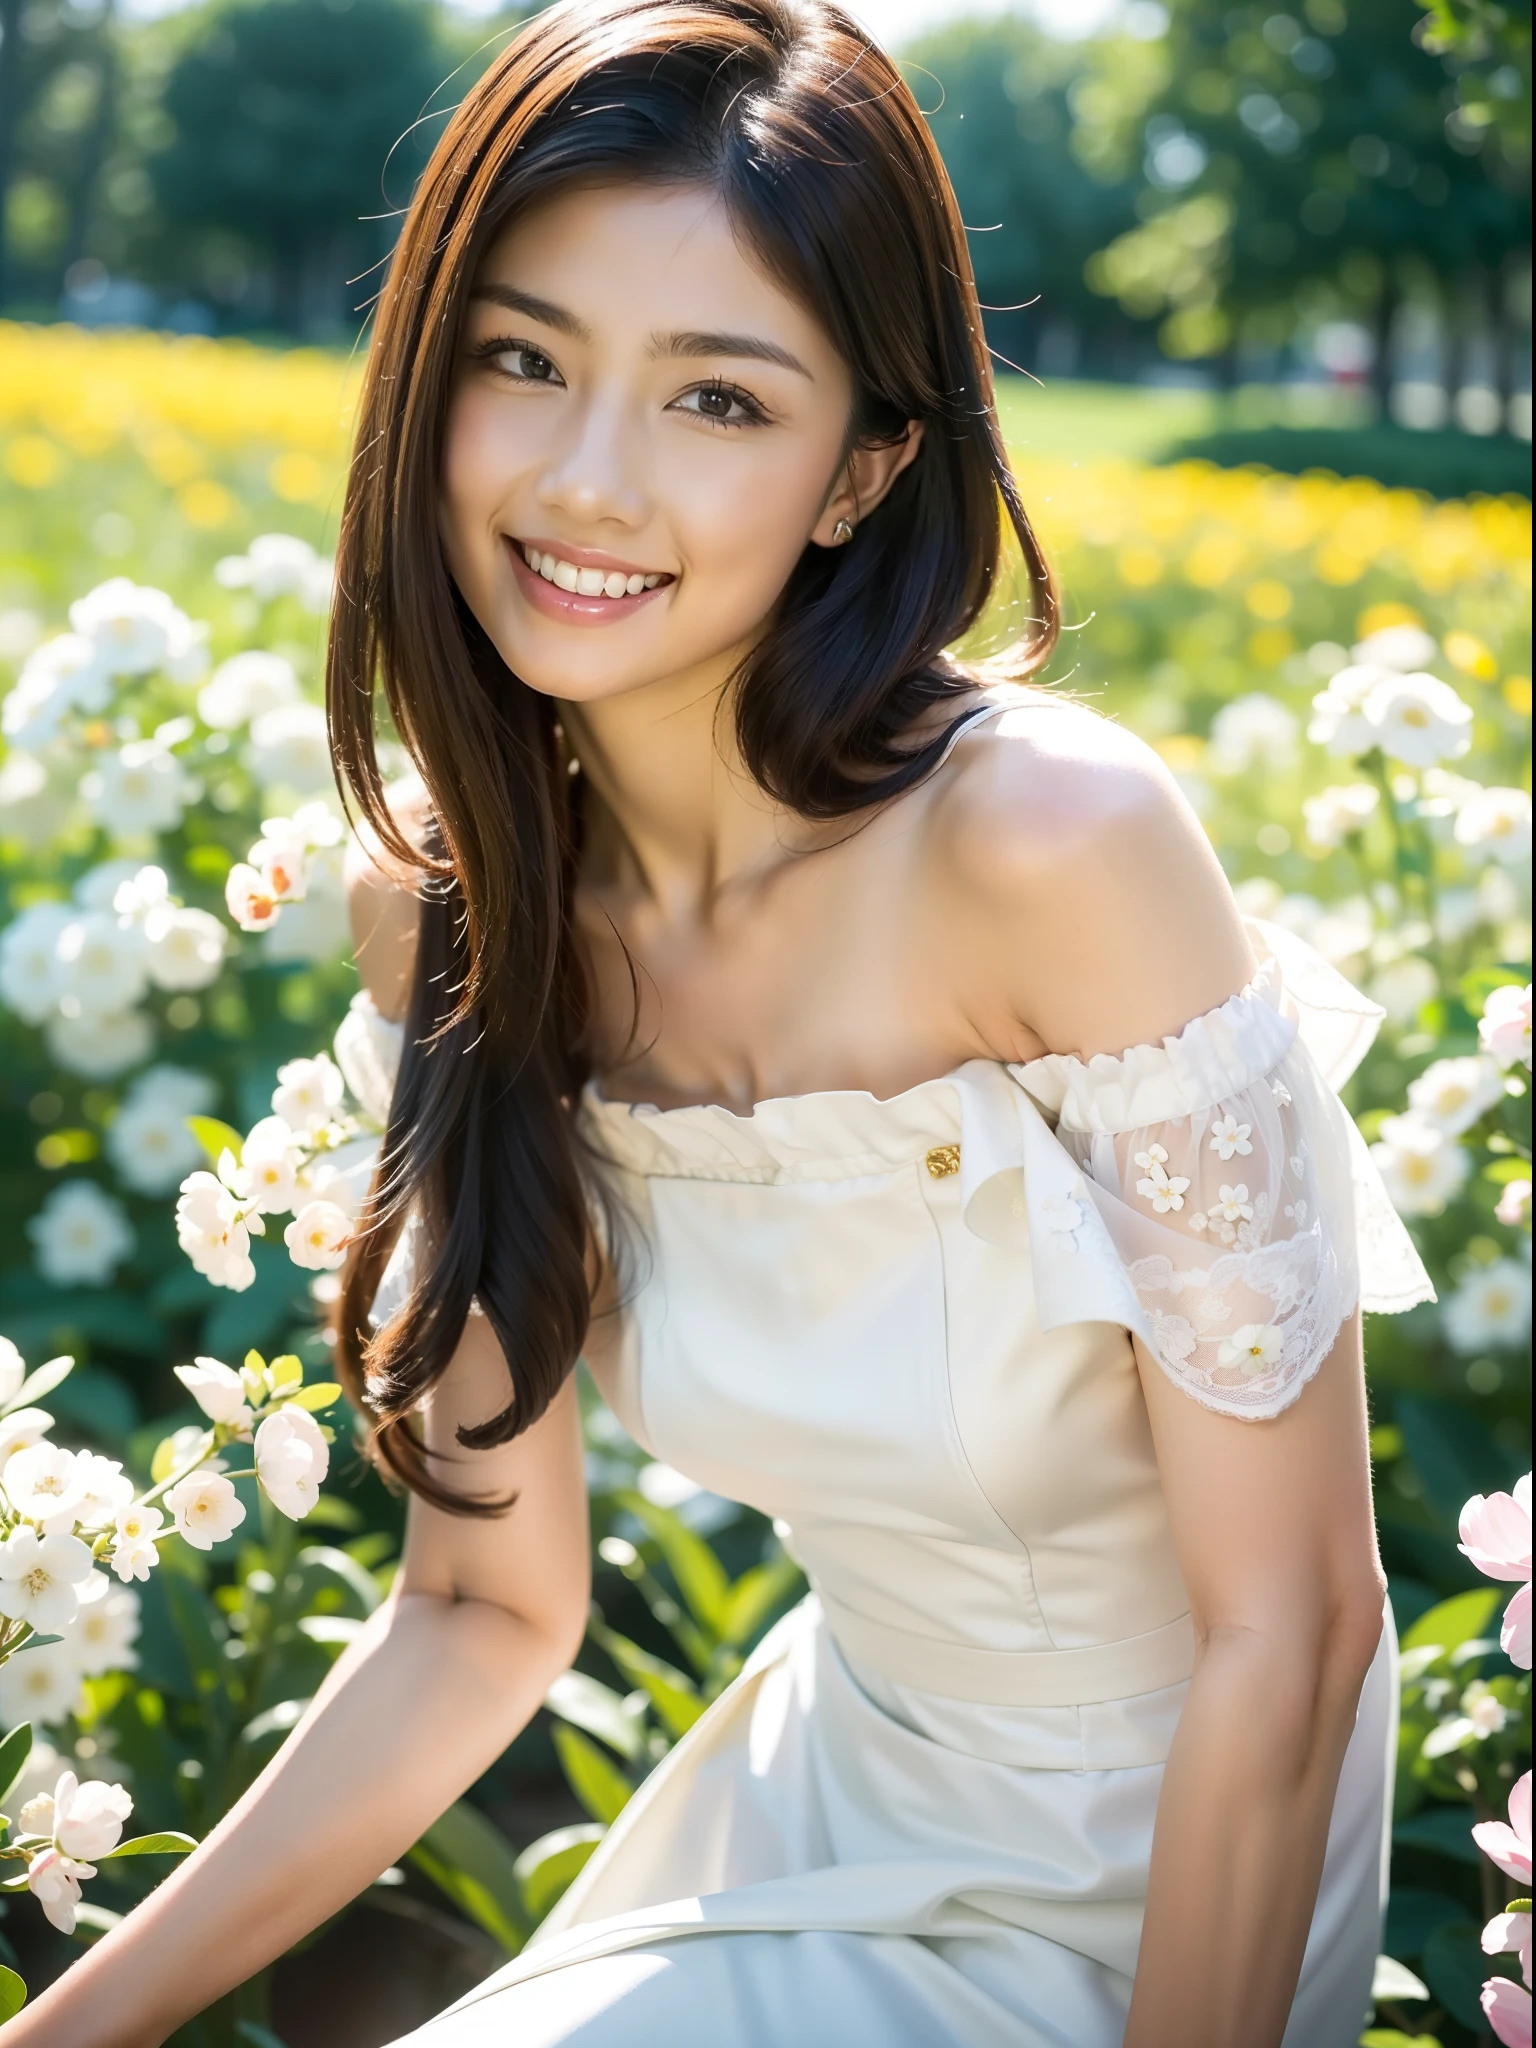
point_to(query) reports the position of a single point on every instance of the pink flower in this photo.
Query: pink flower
(54, 1881)
(1515, 1635)
(1508, 2011)
(1514, 1205)
(1510, 1934)
(1505, 1028)
(1496, 1532)
(1510, 1847)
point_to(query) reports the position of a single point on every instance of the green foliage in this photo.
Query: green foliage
(13, 1994)
(548, 1867)
(468, 1859)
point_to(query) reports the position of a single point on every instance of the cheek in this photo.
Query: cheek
(483, 453)
(744, 512)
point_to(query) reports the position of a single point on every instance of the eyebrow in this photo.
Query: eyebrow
(693, 345)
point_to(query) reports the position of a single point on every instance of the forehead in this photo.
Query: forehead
(641, 260)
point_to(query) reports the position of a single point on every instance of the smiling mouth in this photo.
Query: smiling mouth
(605, 579)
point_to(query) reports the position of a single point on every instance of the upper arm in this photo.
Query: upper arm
(533, 1559)
(1107, 919)
(383, 903)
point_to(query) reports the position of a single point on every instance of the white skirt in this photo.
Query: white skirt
(824, 1863)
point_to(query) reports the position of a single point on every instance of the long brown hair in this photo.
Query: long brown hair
(831, 178)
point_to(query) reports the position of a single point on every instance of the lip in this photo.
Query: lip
(568, 605)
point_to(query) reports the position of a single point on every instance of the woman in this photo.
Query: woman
(768, 976)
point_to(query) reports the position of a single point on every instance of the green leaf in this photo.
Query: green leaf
(1413, 1914)
(13, 1994)
(333, 1631)
(192, 1617)
(39, 1383)
(258, 2036)
(35, 1642)
(1503, 1171)
(699, 1573)
(1444, 1830)
(471, 1861)
(287, 1371)
(92, 1922)
(547, 1868)
(215, 1138)
(675, 1697)
(1454, 1452)
(755, 1595)
(323, 1394)
(359, 1583)
(169, 1843)
(276, 1721)
(1456, 1621)
(1517, 1905)
(1455, 1969)
(14, 1751)
(600, 1786)
(598, 1708)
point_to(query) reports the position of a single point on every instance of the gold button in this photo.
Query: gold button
(942, 1161)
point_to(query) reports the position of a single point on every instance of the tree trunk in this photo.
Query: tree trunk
(95, 143)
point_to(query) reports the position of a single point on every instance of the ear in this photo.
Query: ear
(864, 481)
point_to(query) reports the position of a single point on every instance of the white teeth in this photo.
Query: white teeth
(612, 583)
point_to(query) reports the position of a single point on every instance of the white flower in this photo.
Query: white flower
(318, 1237)
(245, 687)
(218, 1390)
(23, 1426)
(184, 948)
(38, 1577)
(13, 1370)
(212, 1232)
(105, 1489)
(292, 1458)
(1255, 1348)
(1402, 648)
(1420, 1167)
(148, 1141)
(106, 1628)
(41, 1686)
(315, 823)
(308, 1094)
(1163, 1190)
(250, 898)
(1453, 1094)
(1338, 713)
(1345, 808)
(278, 565)
(132, 894)
(288, 748)
(343, 1176)
(270, 1161)
(1232, 1204)
(65, 674)
(1484, 1710)
(82, 1235)
(54, 1881)
(1404, 987)
(313, 929)
(132, 628)
(99, 1046)
(1504, 1030)
(28, 960)
(281, 858)
(142, 788)
(1498, 822)
(1229, 1138)
(134, 1553)
(99, 965)
(1419, 720)
(1492, 1306)
(88, 1819)
(205, 1508)
(1249, 729)
(45, 1485)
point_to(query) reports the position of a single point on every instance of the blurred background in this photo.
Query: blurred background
(1258, 285)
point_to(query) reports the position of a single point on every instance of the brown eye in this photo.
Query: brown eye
(716, 405)
(521, 362)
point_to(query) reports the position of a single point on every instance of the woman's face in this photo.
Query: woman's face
(645, 434)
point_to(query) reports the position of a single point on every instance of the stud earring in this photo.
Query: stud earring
(842, 532)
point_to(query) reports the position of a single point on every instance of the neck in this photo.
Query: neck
(678, 811)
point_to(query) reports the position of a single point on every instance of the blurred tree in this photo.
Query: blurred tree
(1292, 155)
(293, 128)
(1487, 49)
(999, 97)
(58, 75)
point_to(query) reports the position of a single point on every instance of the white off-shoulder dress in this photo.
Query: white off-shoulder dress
(922, 1816)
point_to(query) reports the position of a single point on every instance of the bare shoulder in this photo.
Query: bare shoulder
(1067, 841)
(382, 900)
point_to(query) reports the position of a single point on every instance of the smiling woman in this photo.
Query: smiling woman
(860, 1059)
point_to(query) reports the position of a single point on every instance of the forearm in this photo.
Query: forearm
(417, 1708)
(1242, 1824)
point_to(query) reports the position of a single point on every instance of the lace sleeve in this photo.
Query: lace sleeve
(1227, 1174)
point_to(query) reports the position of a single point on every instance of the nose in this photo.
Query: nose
(595, 473)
